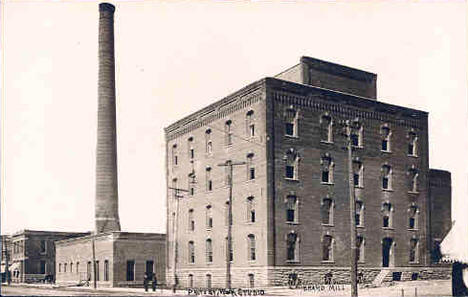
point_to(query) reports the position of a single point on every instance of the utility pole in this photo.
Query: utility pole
(352, 205)
(229, 164)
(6, 255)
(175, 225)
(94, 262)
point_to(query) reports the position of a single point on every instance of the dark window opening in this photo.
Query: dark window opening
(289, 171)
(130, 270)
(289, 127)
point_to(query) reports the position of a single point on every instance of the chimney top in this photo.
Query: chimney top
(106, 7)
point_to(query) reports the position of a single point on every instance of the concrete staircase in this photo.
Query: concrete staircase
(380, 277)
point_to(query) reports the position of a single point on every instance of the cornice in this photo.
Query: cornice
(343, 104)
(220, 109)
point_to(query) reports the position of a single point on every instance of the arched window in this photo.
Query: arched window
(251, 215)
(412, 143)
(250, 167)
(208, 281)
(252, 249)
(386, 136)
(209, 181)
(414, 250)
(358, 174)
(175, 159)
(250, 123)
(190, 281)
(209, 251)
(414, 175)
(413, 213)
(326, 210)
(228, 132)
(386, 177)
(291, 128)
(209, 217)
(292, 164)
(191, 150)
(208, 142)
(191, 220)
(356, 136)
(251, 280)
(327, 166)
(327, 248)
(191, 252)
(326, 128)
(291, 245)
(387, 212)
(291, 209)
(359, 213)
(360, 244)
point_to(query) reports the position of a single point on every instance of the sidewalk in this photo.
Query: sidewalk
(408, 288)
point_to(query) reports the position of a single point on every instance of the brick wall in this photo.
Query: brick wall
(310, 191)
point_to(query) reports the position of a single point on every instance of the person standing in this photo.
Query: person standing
(146, 281)
(154, 284)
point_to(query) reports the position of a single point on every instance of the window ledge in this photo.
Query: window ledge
(413, 229)
(414, 263)
(388, 228)
(327, 183)
(359, 187)
(413, 156)
(357, 146)
(291, 136)
(292, 261)
(250, 261)
(386, 152)
(328, 225)
(388, 190)
(326, 142)
(291, 179)
(360, 226)
(328, 262)
(292, 223)
(413, 192)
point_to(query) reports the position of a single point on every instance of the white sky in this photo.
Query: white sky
(175, 57)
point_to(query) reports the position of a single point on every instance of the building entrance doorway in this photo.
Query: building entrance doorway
(387, 244)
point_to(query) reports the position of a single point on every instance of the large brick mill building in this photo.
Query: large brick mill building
(291, 198)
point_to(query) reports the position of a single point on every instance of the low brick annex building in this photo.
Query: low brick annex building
(32, 254)
(121, 258)
(291, 198)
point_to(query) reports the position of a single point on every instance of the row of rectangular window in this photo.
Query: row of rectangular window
(190, 283)
(356, 137)
(251, 245)
(327, 213)
(130, 269)
(292, 251)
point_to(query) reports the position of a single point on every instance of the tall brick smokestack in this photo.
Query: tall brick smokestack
(106, 207)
